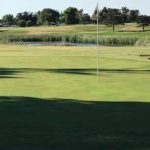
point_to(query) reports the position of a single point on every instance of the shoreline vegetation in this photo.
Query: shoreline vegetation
(72, 39)
(67, 35)
(76, 39)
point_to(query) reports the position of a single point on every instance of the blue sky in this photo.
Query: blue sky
(15, 6)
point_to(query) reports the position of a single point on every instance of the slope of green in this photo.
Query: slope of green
(50, 71)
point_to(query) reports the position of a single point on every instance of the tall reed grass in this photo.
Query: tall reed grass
(143, 42)
(87, 39)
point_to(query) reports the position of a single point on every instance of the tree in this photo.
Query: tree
(114, 17)
(125, 11)
(33, 19)
(29, 23)
(21, 23)
(62, 17)
(24, 16)
(9, 19)
(85, 19)
(103, 14)
(49, 15)
(39, 18)
(71, 15)
(133, 15)
(80, 15)
(143, 21)
(28, 17)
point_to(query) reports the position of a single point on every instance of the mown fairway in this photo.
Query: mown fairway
(131, 29)
(50, 98)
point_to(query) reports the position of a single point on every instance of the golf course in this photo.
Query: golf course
(50, 98)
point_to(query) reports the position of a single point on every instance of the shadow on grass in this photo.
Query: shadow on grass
(92, 71)
(15, 72)
(9, 72)
(2, 30)
(62, 124)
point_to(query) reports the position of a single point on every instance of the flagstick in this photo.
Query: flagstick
(97, 42)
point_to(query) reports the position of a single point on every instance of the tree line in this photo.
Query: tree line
(47, 16)
(71, 15)
(113, 16)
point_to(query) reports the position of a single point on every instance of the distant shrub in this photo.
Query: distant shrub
(21, 23)
(29, 23)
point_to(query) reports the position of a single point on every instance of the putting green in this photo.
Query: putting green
(70, 73)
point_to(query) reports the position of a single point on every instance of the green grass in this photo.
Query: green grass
(50, 98)
(131, 29)
(124, 74)
(62, 124)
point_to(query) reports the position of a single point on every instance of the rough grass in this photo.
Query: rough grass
(76, 39)
(127, 35)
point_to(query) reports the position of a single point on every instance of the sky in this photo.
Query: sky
(15, 6)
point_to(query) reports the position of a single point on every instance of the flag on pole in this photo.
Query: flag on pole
(95, 18)
(94, 15)
(97, 15)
